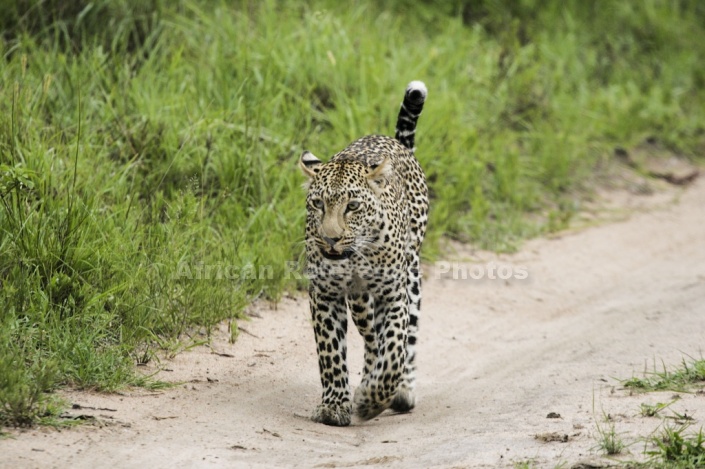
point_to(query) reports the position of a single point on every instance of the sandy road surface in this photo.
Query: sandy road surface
(495, 358)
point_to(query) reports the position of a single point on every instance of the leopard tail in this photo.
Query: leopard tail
(409, 113)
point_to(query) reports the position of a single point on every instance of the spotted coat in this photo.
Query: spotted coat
(366, 219)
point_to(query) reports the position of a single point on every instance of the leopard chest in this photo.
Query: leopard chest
(376, 262)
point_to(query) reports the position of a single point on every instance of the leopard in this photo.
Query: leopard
(366, 218)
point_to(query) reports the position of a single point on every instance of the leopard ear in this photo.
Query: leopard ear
(378, 175)
(309, 164)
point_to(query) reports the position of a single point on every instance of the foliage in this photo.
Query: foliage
(684, 378)
(674, 448)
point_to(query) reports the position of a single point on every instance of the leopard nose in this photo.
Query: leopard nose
(331, 241)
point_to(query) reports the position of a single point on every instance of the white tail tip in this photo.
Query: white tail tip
(417, 85)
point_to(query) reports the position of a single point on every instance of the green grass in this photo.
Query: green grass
(531, 465)
(689, 375)
(148, 180)
(652, 410)
(675, 447)
(608, 440)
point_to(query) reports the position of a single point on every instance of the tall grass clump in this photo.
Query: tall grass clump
(688, 375)
(148, 187)
(677, 448)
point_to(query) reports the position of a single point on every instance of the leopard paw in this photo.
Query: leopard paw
(366, 407)
(404, 400)
(338, 415)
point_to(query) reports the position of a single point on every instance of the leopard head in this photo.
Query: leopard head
(344, 207)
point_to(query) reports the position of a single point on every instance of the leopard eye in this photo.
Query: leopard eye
(317, 204)
(353, 205)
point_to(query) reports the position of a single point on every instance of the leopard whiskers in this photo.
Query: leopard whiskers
(360, 253)
(372, 240)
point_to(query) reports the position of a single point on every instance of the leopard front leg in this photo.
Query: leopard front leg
(329, 316)
(378, 388)
(361, 306)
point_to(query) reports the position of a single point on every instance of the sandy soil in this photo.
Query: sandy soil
(495, 356)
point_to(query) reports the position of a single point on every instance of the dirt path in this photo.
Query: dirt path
(495, 358)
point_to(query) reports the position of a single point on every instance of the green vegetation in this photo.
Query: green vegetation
(675, 449)
(672, 446)
(684, 378)
(148, 187)
(608, 440)
(531, 465)
(652, 410)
